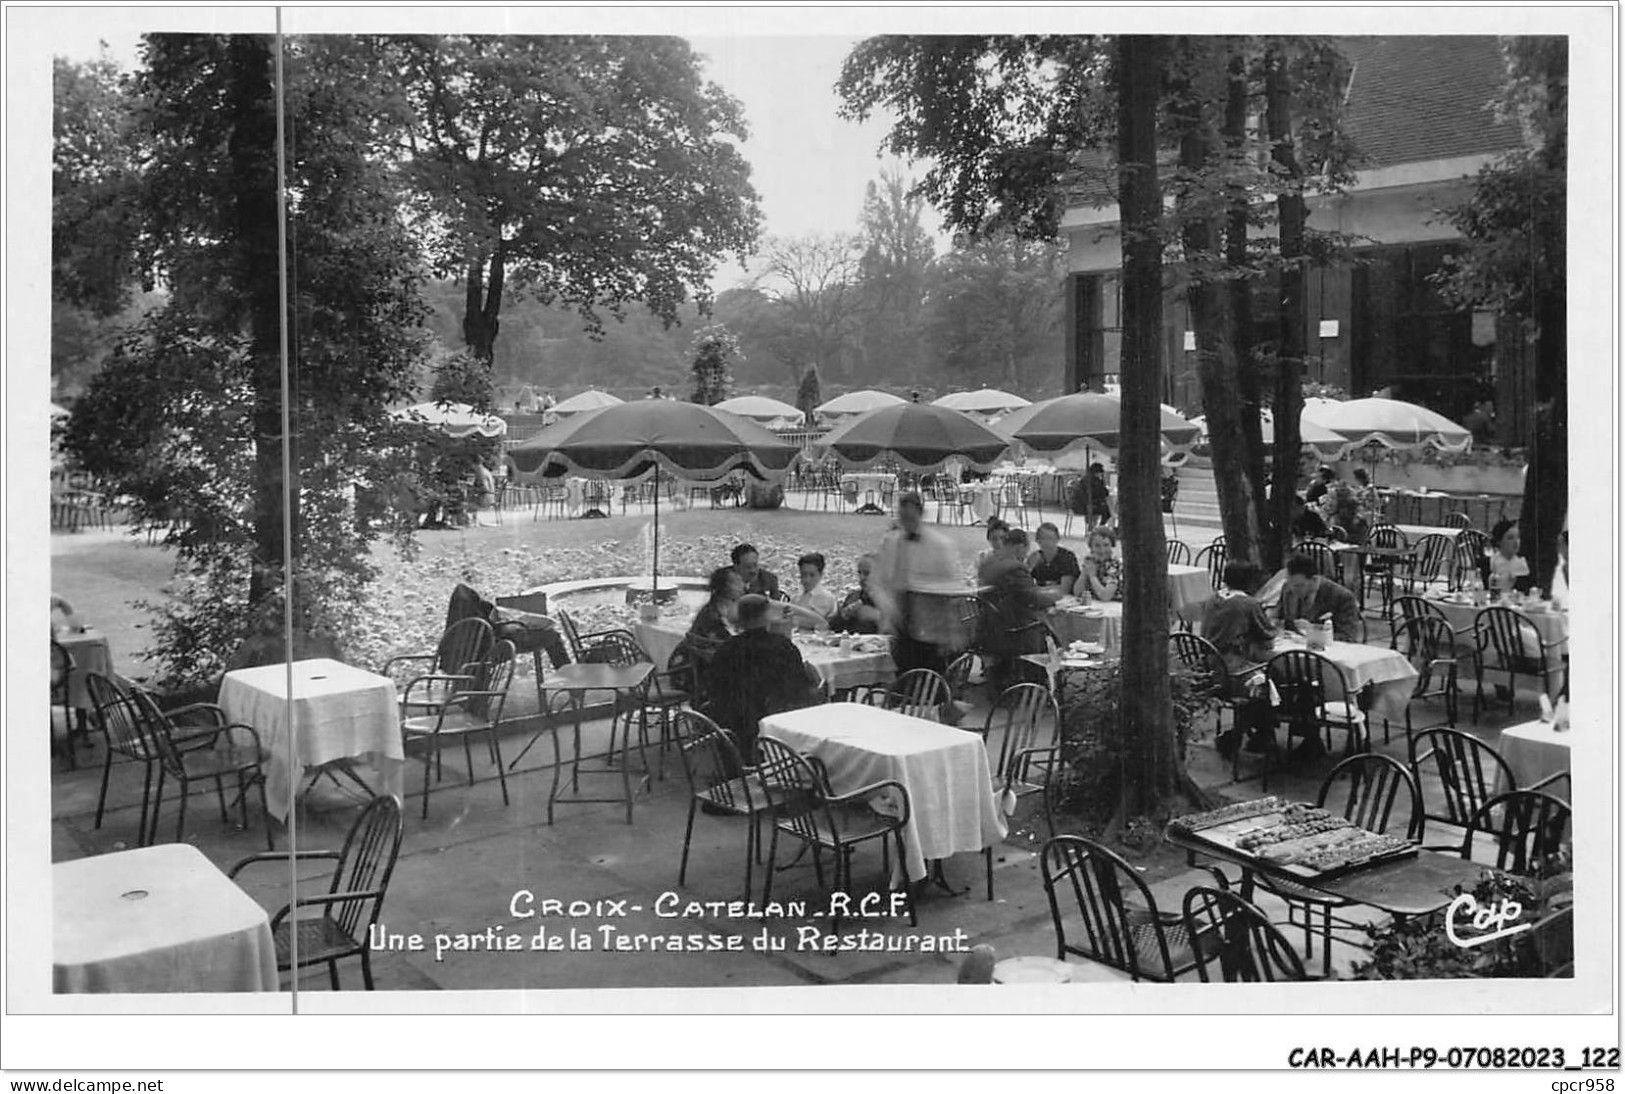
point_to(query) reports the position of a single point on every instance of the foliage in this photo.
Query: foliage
(1419, 949)
(1093, 745)
(813, 282)
(995, 315)
(463, 378)
(589, 170)
(894, 275)
(714, 348)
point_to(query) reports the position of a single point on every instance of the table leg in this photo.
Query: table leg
(577, 699)
(626, 764)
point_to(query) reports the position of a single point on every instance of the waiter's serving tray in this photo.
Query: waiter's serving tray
(1239, 831)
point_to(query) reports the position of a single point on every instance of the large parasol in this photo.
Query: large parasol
(920, 436)
(1082, 424)
(1390, 422)
(629, 442)
(587, 400)
(858, 402)
(761, 409)
(453, 419)
(988, 401)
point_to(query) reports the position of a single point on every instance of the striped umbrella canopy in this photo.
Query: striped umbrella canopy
(1390, 422)
(1310, 433)
(759, 408)
(920, 436)
(858, 402)
(587, 400)
(453, 419)
(987, 400)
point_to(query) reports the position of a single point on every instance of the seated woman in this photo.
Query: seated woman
(1053, 566)
(995, 540)
(712, 625)
(1102, 571)
(858, 613)
(817, 604)
(1508, 569)
(1016, 605)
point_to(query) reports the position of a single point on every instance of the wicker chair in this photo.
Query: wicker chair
(354, 897)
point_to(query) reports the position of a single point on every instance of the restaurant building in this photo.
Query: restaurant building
(1419, 111)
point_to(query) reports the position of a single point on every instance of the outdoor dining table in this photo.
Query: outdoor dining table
(577, 679)
(839, 669)
(1189, 590)
(869, 488)
(945, 772)
(91, 654)
(1403, 887)
(1534, 751)
(1386, 672)
(156, 919)
(982, 498)
(575, 496)
(1545, 624)
(341, 713)
(1414, 532)
(1100, 622)
(1352, 562)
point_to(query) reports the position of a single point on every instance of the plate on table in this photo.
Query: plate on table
(1032, 970)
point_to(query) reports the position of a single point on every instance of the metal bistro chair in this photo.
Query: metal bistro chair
(1304, 679)
(1456, 518)
(119, 720)
(1373, 792)
(1403, 609)
(1179, 553)
(1122, 927)
(919, 693)
(62, 667)
(718, 777)
(336, 925)
(805, 809)
(1467, 558)
(463, 647)
(1378, 571)
(1528, 828)
(1517, 648)
(242, 756)
(1212, 556)
(1429, 645)
(1247, 947)
(474, 707)
(1470, 773)
(1429, 562)
(1024, 768)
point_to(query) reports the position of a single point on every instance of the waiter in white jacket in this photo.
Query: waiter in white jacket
(912, 557)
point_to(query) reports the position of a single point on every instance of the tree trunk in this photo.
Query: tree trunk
(482, 306)
(1546, 487)
(1209, 301)
(1151, 771)
(1249, 390)
(1292, 215)
(252, 152)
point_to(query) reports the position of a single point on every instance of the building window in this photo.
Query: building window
(1100, 328)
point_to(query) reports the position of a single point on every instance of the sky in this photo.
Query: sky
(808, 165)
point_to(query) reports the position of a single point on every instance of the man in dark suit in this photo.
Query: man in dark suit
(747, 563)
(754, 674)
(1012, 626)
(1310, 596)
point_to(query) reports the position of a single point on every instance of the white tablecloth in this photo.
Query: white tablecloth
(342, 713)
(840, 671)
(982, 497)
(1414, 532)
(1547, 626)
(1189, 588)
(193, 930)
(575, 493)
(1533, 751)
(1100, 621)
(660, 640)
(945, 771)
(1390, 677)
(90, 653)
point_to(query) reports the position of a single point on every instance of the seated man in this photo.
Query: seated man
(754, 674)
(813, 598)
(747, 563)
(1013, 627)
(1309, 596)
(858, 613)
(1236, 624)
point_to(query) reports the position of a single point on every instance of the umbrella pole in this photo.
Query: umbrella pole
(655, 594)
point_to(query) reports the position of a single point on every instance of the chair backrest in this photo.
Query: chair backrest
(794, 789)
(1307, 681)
(464, 646)
(1247, 946)
(1020, 710)
(1468, 769)
(958, 674)
(492, 681)
(366, 863)
(1179, 553)
(1432, 552)
(618, 648)
(1213, 556)
(711, 761)
(117, 716)
(61, 664)
(1388, 537)
(1321, 553)
(572, 636)
(920, 693)
(1082, 873)
(1473, 544)
(1201, 657)
(1456, 519)
(1424, 640)
(1376, 793)
(1529, 827)
(1467, 559)
(155, 727)
(1414, 607)
(1513, 639)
